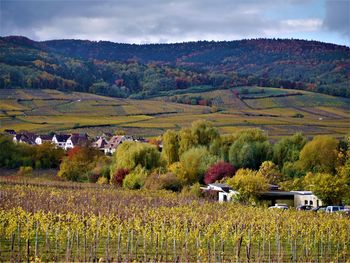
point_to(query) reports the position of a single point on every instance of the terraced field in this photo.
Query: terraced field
(280, 112)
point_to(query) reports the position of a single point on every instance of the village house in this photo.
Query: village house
(24, 137)
(76, 139)
(115, 141)
(40, 139)
(60, 140)
(100, 144)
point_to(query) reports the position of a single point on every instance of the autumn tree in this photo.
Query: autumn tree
(319, 155)
(249, 183)
(219, 171)
(331, 189)
(78, 163)
(270, 172)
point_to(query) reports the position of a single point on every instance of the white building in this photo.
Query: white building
(224, 192)
(306, 198)
(60, 140)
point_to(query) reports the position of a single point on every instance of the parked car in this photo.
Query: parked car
(304, 207)
(335, 208)
(279, 206)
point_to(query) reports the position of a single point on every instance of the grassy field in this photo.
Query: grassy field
(51, 110)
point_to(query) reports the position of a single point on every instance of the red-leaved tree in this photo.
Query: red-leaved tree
(218, 171)
(118, 176)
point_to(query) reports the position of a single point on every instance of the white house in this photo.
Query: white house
(114, 142)
(306, 198)
(60, 140)
(40, 139)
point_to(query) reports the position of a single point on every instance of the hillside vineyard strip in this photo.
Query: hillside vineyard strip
(87, 224)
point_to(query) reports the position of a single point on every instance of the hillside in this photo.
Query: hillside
(142, 71)
(278, 112)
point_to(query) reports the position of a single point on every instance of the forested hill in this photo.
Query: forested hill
(144, 70)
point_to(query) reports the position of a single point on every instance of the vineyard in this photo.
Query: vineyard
(55, 223)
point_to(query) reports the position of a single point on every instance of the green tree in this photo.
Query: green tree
(170, 150)
(319, 155)
(288, 149)
(8, 153)
(132, 154)
(48, 155)
(195, 163)
(249, 149)
(204, 133)
(249, 183)
(186, 140)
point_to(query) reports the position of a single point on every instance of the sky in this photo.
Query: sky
(169, 21)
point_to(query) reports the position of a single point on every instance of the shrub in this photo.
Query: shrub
(135, 179)
(118, 177)
(219, 171)
(102, 180)
(167, 181)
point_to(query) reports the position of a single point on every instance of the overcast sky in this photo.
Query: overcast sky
(165, 21)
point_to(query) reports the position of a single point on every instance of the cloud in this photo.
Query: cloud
(301, 25)
(138, 21)
(338, 16)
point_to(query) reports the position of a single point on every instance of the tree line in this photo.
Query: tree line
(245, 160)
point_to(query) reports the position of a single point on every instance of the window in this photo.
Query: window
(311, 202)
(225, 198)
(306, 202)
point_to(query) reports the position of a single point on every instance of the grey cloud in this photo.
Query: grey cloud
(137, 21)
(338, 16)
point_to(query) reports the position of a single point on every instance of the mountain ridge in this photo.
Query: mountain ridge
(289, 63)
